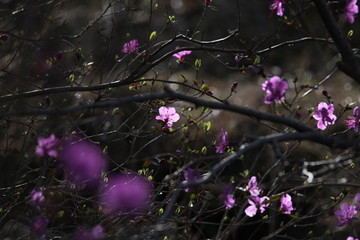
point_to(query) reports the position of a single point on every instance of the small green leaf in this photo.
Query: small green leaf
(204, 150)
(207, 126)
(197, 64)
(116, 111)
(152, 35)
(71, 78)
(60, 213)
(350, 33)
(161, 211)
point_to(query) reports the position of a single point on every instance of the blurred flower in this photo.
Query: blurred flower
(37, 198)
(4, 37)
(228, 197)
(39, 225)
(181, 55)
(256, 204)
(47, 146)
(96, 233)
(351, 238)
(190, 175)
(278, 4)
(128, 194)
(207, 2)
(210, 92)
(168, 116)
(252, 187)
(222, 143)
(286, 204)
(237, 58)
(345, 214)
(234, 86)
(275, 90)
(83, 162)
(324, 115)
(354, 122)
(357, 200)
(351, 9)
(131, 47)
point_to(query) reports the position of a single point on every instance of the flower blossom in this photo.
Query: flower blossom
(228, 197)
(275, 90)
(354, 122)
(345, 214)
(39, 225)
(324, 115)
(37, 198)
(256, 204)
(223, 143)
(83, 162)
(278, 5)
(96, 233)
(351, 238)
(252, 187)
(286, 204)
(131, 47)
(351, 9)
(190, 175)
(181, 55)
(47, 146)
(207, 2)
(127, 193)
(357, 200)
(168, 116)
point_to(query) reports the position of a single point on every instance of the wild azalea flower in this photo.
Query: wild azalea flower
(286, 204)
(253, 188)
(345, 214)
(278, 6)
(351, 238)
(168, 116)
(189, 176)
(37, 198)
(275, 90)
(354, 122)
(256, 204)
(131, 47)
(324, 115)
(357, 200)
(47, 146)
(39, 225)
(228, 197)
(84, 233)
(351, 9)
(181, 55)
(222, 143)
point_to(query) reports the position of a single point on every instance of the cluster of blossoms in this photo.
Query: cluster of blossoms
(131, 47)
(346, 213)
(258, 203)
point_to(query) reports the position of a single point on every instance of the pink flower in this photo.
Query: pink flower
(127, 194)
(96, 233)
(286, 204)
(256, 204)
(324, 115)
(275, 90)
(351, 9)
(278, 4)
(47, 146)
(223, 143)
(345, 214)
(37, 198)
(357, 200)
(351, 238)
(228, 197)
(168, 116)
(181, 55)
(354, 122)
(252, 187)
(131, 47)
(39, 225)
(83, 162)
(190, 175)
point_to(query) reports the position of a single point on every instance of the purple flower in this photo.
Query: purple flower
(83, 162)
(351, 238)
(168, 116)
(357, 200)
(324, 115)
(96, 233)
(37, 198)
(354, 122)
(4, 37)
(345, 214)
(47, 146)
(286, 204)
(222, 143)
(234, 86)
(39, 225)
(228, 197)
(127, 194)
(275, 90)
(252, 187)
(181, 55)
(351, 9)
(278, 4)
(256, 204)
(131, 47)
(190, 175)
